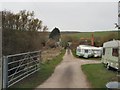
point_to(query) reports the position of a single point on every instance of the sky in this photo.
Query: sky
(70, 16)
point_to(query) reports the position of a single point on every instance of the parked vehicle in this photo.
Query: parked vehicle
(110, 55)
(87, 51)
(97, 51)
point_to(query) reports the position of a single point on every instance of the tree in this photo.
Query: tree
(21, 32)
(55, 34)
(69, 38)
(45, 28)
(24, 20)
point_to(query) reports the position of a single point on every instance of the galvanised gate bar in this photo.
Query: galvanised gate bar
(19, 66)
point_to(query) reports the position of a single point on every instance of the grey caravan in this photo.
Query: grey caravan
(110, 55)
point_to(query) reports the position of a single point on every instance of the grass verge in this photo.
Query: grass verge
(91, 58)
(46, 69)
(98, 75)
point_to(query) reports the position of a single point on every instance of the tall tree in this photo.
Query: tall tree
(21, 32)
(45, 28)
(24, 20)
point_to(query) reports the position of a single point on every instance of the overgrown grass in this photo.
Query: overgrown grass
(46, 69)
(92, 58)
(97, 75)
(74, 53)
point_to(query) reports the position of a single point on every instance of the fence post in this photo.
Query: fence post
(40, 58)
(1, 73)
(5, 72)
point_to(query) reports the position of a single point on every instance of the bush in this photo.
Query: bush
(15, 41)
(51, 43)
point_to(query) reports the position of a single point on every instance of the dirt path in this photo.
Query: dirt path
(68, 74)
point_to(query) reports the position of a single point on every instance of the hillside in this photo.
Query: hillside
(88, 34)
(99, 37)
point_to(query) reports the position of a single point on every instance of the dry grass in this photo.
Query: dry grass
(50, 53)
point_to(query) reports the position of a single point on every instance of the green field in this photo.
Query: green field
(88, 34)
(99, 38)
(98, 75)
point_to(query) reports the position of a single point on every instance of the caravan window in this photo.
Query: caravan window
(103, 51)
(86, 51)
(79, 50)
(115, 52)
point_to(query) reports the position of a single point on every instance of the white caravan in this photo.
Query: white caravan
(111, 52)
(97, 51)
(87, 51)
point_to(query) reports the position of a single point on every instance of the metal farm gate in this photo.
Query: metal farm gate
(19, 66)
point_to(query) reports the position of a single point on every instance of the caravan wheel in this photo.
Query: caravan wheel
(108, 67)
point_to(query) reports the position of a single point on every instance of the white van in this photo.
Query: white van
(110, 55)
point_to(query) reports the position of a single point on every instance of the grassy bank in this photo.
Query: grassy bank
(92, 58)
(97, 75)
(74, 53)
(46, 69)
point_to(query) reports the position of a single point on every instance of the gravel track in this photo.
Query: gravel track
(68, 74)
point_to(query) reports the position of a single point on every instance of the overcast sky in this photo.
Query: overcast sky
(75, 16)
